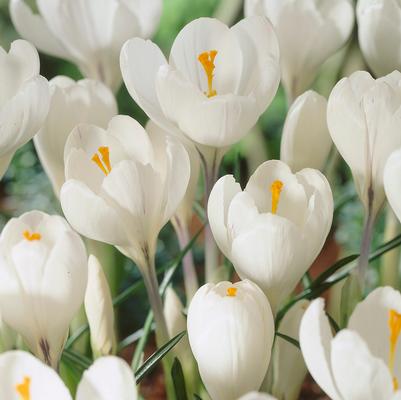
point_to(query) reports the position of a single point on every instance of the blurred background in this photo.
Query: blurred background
(26, 187)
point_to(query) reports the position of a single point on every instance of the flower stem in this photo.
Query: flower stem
(190, 278)
(363, 261)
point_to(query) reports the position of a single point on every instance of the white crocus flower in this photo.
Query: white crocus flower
(43, 275)
(362, 361)
(231, 332)
(287, 359)
(379, 34)
(309, 32)
(99, 310)
(85, 101)
(24, 99)
(306, 141)
(108, 378)
(122, 186)
(371, 110)
(86, 32)
(274, 229)
(24, 377)
(215, 85)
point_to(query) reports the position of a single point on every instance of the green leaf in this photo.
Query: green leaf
(306, 280)
(333, 323)
(289, 339)
(81, 362)
(197, 397)
(142, 342)
(134, 337)
(178, 380)
(151, 362)
(70, 375)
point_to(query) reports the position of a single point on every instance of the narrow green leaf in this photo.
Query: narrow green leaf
(289, 339)
(197, 397)
(76, 335)
(178, 380)
(306, 280)
(79, 360)
(342, 201)
(142, 342)
(333, 322)
(134, 337)
(151, 362)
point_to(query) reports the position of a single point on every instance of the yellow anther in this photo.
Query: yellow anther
(395, 384)
(23, 389)
(394, 324)
(232, 291)
(207, 60)
(276, 188)
(31, 236)
(103, 162)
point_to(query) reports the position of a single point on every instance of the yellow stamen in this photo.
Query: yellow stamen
(207, 60)
(232, 291)
(394, 324)
(276, 188)
(395, 384)
(23, 389)
(31, 236)
(104, 162)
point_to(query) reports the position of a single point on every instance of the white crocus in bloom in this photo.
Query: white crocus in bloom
(85, 101)
(309, 32)
(274, 229)
(371, 110)
(392, 184)
(107, 379)
(43, 275)
(306, 141)
(362, 361)
(24, 99)
(379, 34)
(287, 360)
(99, 310)
(24, 377)
(231, 332)
(182, 218)
(215, 85)
(86, 32)
(122, 186)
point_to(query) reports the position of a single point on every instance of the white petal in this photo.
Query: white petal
(257, 396)
(107, 379)
(219, 201)
(315, 339)
(392, 183)
(358, 374)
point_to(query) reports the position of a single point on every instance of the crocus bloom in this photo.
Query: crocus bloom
(309, 32)
(99, 310)
(24, 99)
(71, 103)
(24, 377)
(274, 229)
(306, 141)
(362, 361)
(108, 378)
(379, 34)
(215, 85)
(43, 275)
(122, 187)
(231, 332)
(85, 32)
(392, 184)
(257, 396)
(371, 110)
(287, 360)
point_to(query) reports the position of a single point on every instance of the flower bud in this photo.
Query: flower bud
(231, 330)
(99, 310)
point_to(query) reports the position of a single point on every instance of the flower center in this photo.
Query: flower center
(394, 324)
(232, 291)
(23, 389)
(102, 161)
(31, 236)
(276, 188)
(207, 60)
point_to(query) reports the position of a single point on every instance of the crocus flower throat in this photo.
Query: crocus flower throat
(103, 162)
(23, 389)
(207, 60)
(394, 324)
(31, 236)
